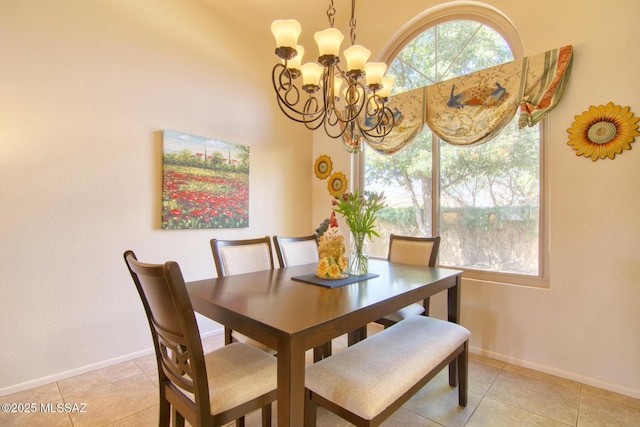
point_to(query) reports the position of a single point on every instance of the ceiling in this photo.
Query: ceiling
(260, 13)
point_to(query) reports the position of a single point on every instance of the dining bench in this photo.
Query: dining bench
(365, 383)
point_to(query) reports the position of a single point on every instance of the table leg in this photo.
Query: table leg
(291, 365)
(453, 313)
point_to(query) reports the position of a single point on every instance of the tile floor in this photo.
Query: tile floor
(500, 394)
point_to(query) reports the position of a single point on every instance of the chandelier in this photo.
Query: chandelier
(359, 111)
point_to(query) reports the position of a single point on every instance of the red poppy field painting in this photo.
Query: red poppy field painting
(205, 183)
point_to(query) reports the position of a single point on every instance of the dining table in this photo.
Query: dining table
(291, 316)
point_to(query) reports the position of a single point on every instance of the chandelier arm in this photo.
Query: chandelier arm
(286, 90)
(294, 115)
(353, 94)
(285, 78)
(283, 85)
(378, 114)
(309, 125)
(315, 118)
(330, 129)
(354, 102)
(377, 104)
(383, 125)
(333, 116)
(308, 119)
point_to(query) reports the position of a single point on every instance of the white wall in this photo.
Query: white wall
(85, 89)
(587, 325)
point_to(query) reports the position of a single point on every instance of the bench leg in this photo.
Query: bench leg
(463, 373)
(453, 373)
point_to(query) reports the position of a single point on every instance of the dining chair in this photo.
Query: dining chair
(233, 257)
(296, 250)
(413, 251)
(210, 389)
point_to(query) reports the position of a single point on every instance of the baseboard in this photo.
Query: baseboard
(574, 376)
(635, 393)
(87, 368)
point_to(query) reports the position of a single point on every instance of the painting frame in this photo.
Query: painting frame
(205, 182)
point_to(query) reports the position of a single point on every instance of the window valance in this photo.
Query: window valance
(472, 109)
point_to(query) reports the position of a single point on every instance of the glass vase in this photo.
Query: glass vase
(358, 255)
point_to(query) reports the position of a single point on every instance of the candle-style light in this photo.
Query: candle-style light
(286, 33)
(311, 74)
(387, 84)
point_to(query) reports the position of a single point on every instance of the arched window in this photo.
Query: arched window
(485, 201)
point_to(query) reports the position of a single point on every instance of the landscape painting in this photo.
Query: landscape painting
(205, 182)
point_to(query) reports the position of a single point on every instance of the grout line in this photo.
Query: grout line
(579, 405)
(530, 411)
(485, 393)
(64, 401)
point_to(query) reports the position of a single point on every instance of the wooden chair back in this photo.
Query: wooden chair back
(242, 256)
(176, 338)
(414, 250)
(296, 250)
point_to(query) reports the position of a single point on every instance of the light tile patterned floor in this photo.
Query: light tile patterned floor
(500, 394)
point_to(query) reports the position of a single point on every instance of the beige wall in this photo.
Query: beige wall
(86, 87)
(586, 326)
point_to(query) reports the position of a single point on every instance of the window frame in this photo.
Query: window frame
(493, 18)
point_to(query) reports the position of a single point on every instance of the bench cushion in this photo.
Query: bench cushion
(369, 376)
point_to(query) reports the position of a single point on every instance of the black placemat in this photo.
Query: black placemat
(312, 278)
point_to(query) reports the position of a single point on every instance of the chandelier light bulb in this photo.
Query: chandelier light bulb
(387, 85)
(374, 71)
(311, 73)
(337, 84)
(356, 57)
(329, 42)
(286, 32)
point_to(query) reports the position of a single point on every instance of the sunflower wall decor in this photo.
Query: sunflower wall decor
(323, 166)
(337, 184)
(603, 131)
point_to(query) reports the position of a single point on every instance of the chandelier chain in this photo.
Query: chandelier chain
(352, 22)
(331, 13)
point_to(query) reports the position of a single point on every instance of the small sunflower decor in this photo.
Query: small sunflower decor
(603, 131)
(323, 167)
(337, 184)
